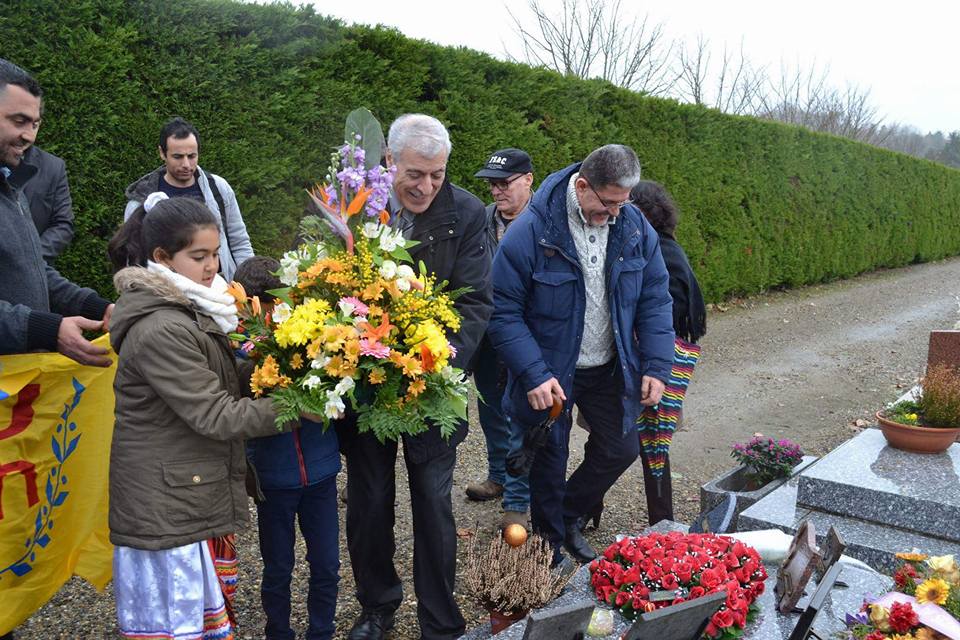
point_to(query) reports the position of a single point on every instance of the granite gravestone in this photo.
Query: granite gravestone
(569, 622)
(684, 621)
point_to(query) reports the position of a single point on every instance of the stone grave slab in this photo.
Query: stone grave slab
(867, 480)
(870, 542)
(684, 621)
(560, 623)
(769, 625)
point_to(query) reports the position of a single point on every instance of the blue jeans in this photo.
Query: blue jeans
(316, 508)
(499, 431)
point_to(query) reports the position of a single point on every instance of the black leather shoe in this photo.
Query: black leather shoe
(371, 625)
(577, 545)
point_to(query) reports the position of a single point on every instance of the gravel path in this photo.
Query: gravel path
(805, 364)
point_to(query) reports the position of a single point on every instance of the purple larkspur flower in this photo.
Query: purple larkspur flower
(351, 178)
(379, 180)
(331, 193)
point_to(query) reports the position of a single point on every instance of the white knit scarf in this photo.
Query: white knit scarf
(213, 301)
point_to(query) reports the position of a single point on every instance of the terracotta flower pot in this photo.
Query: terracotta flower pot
(499, 621)
(917, 439)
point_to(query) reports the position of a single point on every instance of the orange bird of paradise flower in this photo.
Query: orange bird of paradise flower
(337, 220)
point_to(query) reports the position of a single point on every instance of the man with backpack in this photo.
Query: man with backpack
(181, 176)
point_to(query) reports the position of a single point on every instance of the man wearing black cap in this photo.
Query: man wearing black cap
(510, 175)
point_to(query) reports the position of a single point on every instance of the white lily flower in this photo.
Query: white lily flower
(281, 312)
(311, 382)
(388, 241)
(334, 407)
(344, 386)
(320, 362)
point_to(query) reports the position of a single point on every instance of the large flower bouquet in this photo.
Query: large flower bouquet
(641, 574)
(357, 325)
(926, 605)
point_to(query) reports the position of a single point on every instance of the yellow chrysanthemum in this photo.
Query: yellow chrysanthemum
(416, 387)
(340, 368)
(304, 324)
(377, 376)
(351, 350)
(410, 365)
(925, 633)
(335, 336)
(430, 335)
(912, 556)
(313, 349)
(933, 590)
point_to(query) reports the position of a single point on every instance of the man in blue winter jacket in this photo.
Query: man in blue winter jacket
(582, 315)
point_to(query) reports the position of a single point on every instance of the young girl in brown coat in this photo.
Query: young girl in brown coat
(177, 463)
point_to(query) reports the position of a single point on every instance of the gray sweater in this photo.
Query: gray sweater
(33, 296)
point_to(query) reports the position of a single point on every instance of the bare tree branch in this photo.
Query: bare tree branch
(593, 39)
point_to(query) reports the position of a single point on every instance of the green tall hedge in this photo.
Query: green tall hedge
(269, 86)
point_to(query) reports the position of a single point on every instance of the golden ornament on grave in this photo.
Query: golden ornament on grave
(515, 534)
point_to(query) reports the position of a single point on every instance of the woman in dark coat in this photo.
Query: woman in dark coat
(690, 324)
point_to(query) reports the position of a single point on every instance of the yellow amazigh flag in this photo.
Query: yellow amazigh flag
(56, 423)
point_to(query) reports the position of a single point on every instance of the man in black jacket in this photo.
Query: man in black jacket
(40, 310)
(449, 225)
(43, 178)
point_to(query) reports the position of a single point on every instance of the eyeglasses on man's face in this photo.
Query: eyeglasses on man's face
(503, 185)
(616, 206)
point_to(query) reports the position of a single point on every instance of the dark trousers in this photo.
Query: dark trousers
(371, 493)
(500, 433)
(316, 508)
(598, 393)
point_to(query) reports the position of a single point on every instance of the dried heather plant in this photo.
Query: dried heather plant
(512, 579)
(940, 397)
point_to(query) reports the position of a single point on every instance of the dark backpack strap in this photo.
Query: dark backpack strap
(220, 205)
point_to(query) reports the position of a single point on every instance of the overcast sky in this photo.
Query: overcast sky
(906, 53)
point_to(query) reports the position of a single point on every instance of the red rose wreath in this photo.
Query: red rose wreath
(634, 574)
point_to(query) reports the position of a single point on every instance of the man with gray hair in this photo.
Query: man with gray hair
(582, 315)
(449, 225)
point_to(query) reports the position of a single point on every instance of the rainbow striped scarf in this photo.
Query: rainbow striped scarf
(658, 423)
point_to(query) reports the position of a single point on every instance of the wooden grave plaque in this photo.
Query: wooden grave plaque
(569, 622)
(796, 570)
(684, 621)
